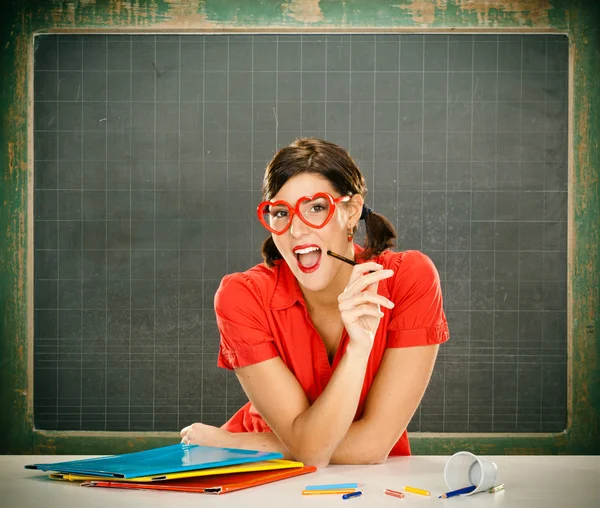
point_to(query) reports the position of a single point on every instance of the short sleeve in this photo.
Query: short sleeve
(418, 317)
(242, 323)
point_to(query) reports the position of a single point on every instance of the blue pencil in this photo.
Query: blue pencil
(458, 492)
(335, 486)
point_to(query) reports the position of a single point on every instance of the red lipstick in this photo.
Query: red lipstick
(307, 269)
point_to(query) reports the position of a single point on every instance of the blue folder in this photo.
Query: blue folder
(167, 459)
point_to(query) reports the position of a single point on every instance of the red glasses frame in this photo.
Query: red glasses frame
(296, 210)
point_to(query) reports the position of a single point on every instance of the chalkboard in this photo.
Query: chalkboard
(149, 154)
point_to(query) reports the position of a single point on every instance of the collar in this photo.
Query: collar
(287, 290)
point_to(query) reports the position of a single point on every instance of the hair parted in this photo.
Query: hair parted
(331, 161)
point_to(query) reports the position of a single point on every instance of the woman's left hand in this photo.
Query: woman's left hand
(360, 305)
(205, 435)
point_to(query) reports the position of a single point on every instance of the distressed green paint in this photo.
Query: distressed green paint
(22, 19)
(584, 431)
(117, 14)
(15, 418)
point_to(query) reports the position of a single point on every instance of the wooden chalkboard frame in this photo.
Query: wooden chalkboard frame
(23, 20)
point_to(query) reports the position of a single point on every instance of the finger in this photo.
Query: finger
(362, 268)
(185, 430)
(365, 281)
(362, 310)
(365, 297)
(372, 288)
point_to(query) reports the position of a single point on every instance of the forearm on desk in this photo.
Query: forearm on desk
(263, 441)
(353, 449)
(311, 432)
(317, 432)
(361, 445)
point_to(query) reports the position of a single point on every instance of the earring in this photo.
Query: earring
(350, 235)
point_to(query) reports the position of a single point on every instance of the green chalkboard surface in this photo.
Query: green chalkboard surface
(149, 155)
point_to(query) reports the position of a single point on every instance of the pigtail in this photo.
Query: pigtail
(270, 253)
(380, 235)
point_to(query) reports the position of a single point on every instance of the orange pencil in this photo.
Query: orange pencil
(394, 493)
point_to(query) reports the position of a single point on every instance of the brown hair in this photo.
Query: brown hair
(335, 164)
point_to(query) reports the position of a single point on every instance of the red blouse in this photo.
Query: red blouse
(261, 314)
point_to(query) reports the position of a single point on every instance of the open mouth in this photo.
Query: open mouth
(308, 257)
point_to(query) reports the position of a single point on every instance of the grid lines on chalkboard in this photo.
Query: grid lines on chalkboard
(126, 224)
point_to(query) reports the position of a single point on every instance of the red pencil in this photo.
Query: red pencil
(394, 493)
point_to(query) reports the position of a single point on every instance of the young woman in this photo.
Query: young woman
(333, 356)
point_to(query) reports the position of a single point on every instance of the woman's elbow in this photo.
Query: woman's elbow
(311, 451)
(313, 458)
(321, 463)
(379, 458)
(312, 454)
(376, 453)
(366, 456)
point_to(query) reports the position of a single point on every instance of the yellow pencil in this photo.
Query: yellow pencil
(337, 491)
(417, 491)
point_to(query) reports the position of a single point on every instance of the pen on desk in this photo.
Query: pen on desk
(341, 258)
(497, 488)
(458, 492)
(335, 486)
(306, 492)
(414, 490)
(352, 494)
(393, 493)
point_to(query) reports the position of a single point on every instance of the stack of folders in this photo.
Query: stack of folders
(180, 467)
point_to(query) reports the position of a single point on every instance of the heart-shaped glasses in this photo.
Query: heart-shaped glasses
(315, 211)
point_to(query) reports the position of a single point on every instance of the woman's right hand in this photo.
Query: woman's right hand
(360, 305)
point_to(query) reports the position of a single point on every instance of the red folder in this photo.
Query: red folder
(211, 484)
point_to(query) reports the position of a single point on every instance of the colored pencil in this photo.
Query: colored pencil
(332, 491)
(458, 492)
(393, 493)
(414, 490)
(336, 486)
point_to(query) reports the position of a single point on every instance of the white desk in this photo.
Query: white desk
(531, 482)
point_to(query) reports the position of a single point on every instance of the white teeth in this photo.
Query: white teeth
(307, 250)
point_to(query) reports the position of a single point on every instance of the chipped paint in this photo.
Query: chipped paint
(582, 145)
(185, 14)
(304, 11)
(18, 162)
(118, 13)
(585, 196)
(14, 350)
(130, 12)
(523, 12)
(424, 11)
(490, 13)
(11, 159)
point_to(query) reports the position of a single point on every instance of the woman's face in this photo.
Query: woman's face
(304, 248)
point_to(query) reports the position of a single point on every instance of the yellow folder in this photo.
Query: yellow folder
(265, 465)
